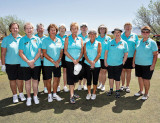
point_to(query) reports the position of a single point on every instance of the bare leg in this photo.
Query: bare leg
(104, 71)
(128, 76)
(111, 82)
(71, 88)
(55, 84)
(100, 76)
(117, 85)
(20, 85)
(94, 89)
(141, 85)
(89, 89)
(13, 86)
(146, 85)
(35, 86)
(49, 86)
(28, 87)
(123, 77)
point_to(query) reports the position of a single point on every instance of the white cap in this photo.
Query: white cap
(62, 25)
(77, 69)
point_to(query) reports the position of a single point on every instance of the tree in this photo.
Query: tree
(7, 20)
(149, 16)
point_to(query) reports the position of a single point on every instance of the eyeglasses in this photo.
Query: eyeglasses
(146, 32)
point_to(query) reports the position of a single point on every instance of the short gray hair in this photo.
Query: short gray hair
(39, 24)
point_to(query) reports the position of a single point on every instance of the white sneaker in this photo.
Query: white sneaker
(29, 103)
(50, 98)
(145, 97)
(99, 86)
(127, 89)
(79, 87)
(93, 97)
(15, 98)
(138, 94)
(56, 97)
(65, 89)
(22, 97)
(122, 88)
(103, 88)
(36, 100)
(88, 97)
(45, 90)
(58, 89)
(85, 87)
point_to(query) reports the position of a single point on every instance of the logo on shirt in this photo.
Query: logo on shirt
(26, 43)
(131, 36)
(34, 40)
(147, 43)
(112, 45)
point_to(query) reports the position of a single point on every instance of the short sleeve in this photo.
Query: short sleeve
(40, 44)
(125, 47)
(44, 44)
(154, 46)
(21, 44)
(4, 43)
(109, 38)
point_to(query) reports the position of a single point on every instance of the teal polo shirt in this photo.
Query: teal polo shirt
(30, 47)
(62, 39)
(131, 41)
(144, 52)
(12, 54)
(104, 42)
(116, 52)
(85, 39)
(53, 50)
(92, 51)
(74, 48)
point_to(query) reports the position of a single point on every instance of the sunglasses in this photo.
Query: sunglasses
(146, 32)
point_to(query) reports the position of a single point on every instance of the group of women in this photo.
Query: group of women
(23, 58)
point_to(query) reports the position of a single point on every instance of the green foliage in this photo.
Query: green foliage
(149, 16)
(7, 20)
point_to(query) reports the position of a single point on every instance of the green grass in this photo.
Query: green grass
(104, 109)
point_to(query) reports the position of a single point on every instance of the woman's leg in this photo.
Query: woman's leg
(35, 86)
(13, 86)
(28, 87)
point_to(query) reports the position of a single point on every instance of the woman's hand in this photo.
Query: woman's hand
(105, 63)
(152, 67)
(75, 62)
(31, 63)
(92, 64)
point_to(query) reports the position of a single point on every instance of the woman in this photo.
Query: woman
(92, 53)
(62, 36)
(10, 61)
(30, 51)
(84, 36)
(52, 51)
(115, 57)
(131, 40)
(144, 61)
(104, 39)
(40, 31)
(73, 49)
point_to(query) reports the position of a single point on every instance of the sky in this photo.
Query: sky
(112, 13)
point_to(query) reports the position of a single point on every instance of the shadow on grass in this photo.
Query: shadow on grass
(123, 103)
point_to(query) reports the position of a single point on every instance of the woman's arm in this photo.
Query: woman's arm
(48, 57)
(133, 62)
(105, 58)
(155, 56)
(85, 55)
(3, 54)
(98, 52)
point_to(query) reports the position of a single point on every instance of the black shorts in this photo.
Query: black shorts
(63, 61)
(14, 72)
(92, 73)
(71, 78)
(102, 64)
(52, 69)
(143, 71)
(42, 68)
(114, 72)
(30, 73)
(83, 71)
(128, 63)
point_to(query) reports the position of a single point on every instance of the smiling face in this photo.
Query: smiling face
(52, 31)
(74, 30)
(29, 29)
(84, 29)
(40, 29)
(14, 29)
(128, 28)
(117, 34)
(102, 30)
(92, 36)
(145, 33)
(62, 30)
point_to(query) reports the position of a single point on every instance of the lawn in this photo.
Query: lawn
(104, 109)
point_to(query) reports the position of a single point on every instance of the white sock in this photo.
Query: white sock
(54, 94)
(15, 95)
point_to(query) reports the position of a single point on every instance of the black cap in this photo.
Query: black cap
(116, 29)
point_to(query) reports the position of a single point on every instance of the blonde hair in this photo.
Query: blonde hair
(127, 24)
(146, 28)
(28, 23)
(74, 24)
